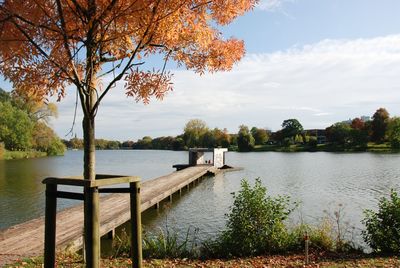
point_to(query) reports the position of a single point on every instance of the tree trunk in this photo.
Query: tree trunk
(91, 202)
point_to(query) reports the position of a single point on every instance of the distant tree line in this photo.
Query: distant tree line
(24, 125)
(355, 133)
(351, 134)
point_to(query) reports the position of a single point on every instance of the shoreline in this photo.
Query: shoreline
(14, 155)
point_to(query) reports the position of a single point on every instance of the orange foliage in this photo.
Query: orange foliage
(357, 123)
(143, 85)
(47, 45)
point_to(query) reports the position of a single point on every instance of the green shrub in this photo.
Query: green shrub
(382, 232)
(56, 147)
(255, 224)
(167, 244)
(331, 234)
(160, 244)
(121, 245)
(320, 237)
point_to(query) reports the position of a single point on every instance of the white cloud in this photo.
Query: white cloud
(319, 84)
(272, 5)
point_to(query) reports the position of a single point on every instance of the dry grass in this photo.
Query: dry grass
(294, 260)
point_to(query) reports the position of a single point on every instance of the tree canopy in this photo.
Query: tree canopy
(393, 130)
(379, 124)
(47, 45)
(260, 135)
(194, 131)
(291, 128)
(15, 127)
(24, 125)
(245, 140)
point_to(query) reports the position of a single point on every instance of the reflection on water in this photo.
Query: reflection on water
(318, 180)
(22, 191)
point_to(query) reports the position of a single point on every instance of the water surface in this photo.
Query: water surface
(319, 181)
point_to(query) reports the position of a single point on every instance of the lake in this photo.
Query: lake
(319, 181)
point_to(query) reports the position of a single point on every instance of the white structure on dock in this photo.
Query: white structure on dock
(196, 156)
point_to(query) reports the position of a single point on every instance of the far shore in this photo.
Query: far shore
(371, 147)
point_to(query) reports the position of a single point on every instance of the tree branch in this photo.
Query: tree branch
(66, 43)
(14, 15)
(41, 51)
(128, 65)
(80, 9)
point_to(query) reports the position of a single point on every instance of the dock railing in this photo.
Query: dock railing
(52, 193)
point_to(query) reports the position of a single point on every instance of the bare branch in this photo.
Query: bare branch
(77, 14)
(66, 43)
(80, 9)
(74, 120)
(201, 4)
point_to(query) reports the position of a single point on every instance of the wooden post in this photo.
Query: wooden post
(136, 225)
(170, 198)
(111, 234)
(50, 226)
(92, 235)
(90, 197)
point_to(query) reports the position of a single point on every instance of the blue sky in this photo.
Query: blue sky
(320, 61)
(282, 24)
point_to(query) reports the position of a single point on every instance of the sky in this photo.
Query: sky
(319, 61)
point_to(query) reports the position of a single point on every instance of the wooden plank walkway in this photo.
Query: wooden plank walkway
(26, 239)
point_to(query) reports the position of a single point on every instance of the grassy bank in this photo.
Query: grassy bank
(317, 259)
(8, 155)
(371, 147)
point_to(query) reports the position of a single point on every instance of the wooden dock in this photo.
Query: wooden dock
(26, 239)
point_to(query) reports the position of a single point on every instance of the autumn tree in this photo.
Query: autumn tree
(359, 133)
(46, 140)
(222, 137)
(357, 123)
(36, 109)
(94, 44)
(379, 125)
